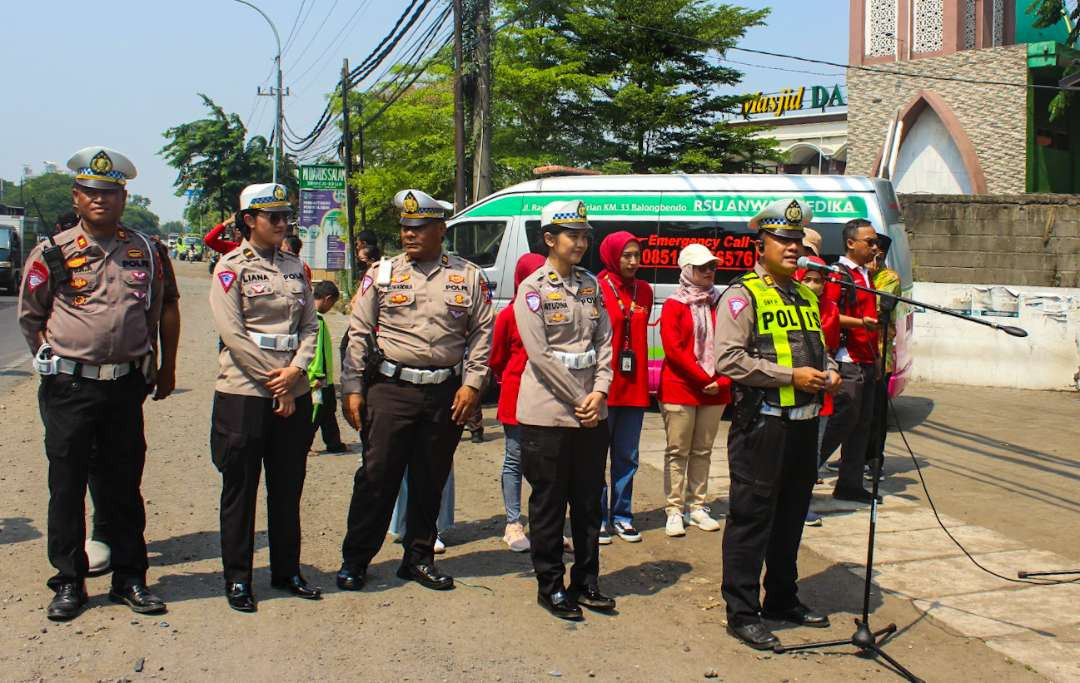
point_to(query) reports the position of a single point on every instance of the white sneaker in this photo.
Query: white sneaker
(701, 519)
(515, 538)
(99, 555)
(674, 526)
(440, 547)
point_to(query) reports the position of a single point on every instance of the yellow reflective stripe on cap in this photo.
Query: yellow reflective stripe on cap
(108, 179)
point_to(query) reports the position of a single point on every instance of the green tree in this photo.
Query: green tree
(141, 218)
(215, 160)
(172, 226)
(49, 193)
(660, 108)
(616, 85)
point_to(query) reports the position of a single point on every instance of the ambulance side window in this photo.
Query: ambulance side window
(602, 228)
(476, 241)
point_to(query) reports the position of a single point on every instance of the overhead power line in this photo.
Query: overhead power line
(857, 67)
(387, 45)
(295, 25)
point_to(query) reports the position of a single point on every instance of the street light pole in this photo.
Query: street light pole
(278, 149)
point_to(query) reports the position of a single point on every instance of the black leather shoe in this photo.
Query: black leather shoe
(478, 436)
(757, 635)
(67, 603)
(799, 614)
(855, 495)
(299, 587)
(139, 598)
(350, 579)
(591, 597)
(427, 575)
(239, 596)
(561, 605)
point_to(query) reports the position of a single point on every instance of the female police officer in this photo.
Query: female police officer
(263, 310)
(562, 410)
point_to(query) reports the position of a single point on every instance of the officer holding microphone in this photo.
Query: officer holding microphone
(769, 343)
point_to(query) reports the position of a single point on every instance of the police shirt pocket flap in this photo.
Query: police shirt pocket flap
(79, 283)
(136, 278)
(400, 298)
(458, 299)
(561, 316)
(258, 289)
(296, 286)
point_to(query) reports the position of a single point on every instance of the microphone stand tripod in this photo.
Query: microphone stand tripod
(864, 638)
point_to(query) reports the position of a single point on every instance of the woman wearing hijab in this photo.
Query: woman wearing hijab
(628, 301)
(507, 360)
(692, 395)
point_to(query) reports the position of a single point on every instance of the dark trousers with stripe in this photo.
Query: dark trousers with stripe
(564, 466)
(406, 425)
(245, 436)
(95, 425)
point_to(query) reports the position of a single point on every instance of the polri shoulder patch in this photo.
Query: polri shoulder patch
(737, 305)
(226, 278)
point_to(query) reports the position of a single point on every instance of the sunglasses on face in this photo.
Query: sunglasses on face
(276, 216)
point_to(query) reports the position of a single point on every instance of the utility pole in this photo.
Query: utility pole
(350, 196)
(481, 124)
(460, 199)
(360, 140)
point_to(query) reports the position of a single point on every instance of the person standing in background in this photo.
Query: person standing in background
(214, 240)
(321, 374)
(849, 426)
(886, 280)
(293, 245)
(628, 301)
(508, 359)
(692, 395)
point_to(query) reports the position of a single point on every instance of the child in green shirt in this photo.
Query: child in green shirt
(321, 374)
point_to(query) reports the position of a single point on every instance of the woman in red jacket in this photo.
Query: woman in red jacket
(692, 395)
(629, 303)
(214, 240)
(507, 361)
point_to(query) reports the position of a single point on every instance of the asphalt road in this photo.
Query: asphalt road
(14, 357)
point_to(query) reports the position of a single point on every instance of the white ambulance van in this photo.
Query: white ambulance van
(667, 212)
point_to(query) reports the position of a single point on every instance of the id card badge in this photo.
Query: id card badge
(627, 362)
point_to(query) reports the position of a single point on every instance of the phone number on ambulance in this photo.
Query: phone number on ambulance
(669, 258)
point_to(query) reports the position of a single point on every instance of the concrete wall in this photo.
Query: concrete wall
(1029, 239)
(952, 351)
(993, 117)
(1010, 259)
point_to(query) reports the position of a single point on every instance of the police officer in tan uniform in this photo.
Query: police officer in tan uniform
(769, 342)
(264, 312)
(415, 365)
(562, 408)
(89, 310)
(97, 546)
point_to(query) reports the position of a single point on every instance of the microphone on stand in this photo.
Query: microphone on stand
(806, 264)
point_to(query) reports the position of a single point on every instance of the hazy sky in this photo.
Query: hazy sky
(120, 73)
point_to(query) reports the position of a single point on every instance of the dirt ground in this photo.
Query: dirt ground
(670, 620)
